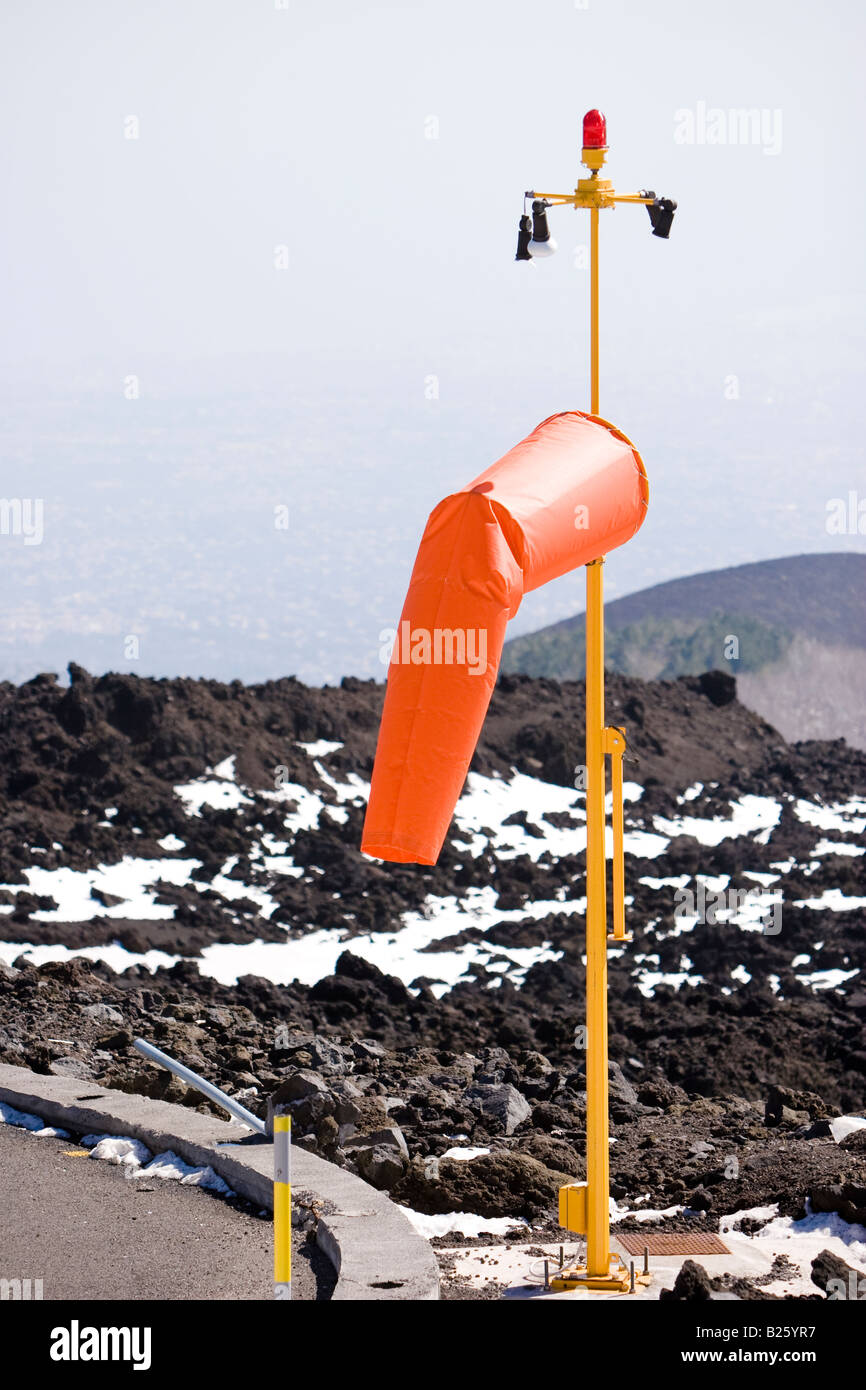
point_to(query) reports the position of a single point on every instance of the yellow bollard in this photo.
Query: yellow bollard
(282, 1204)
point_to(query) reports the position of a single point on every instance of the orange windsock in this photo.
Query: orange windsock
(573, 490)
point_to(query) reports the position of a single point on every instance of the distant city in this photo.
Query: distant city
(256, 535)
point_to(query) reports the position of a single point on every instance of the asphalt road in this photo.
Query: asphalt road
(90, 1233)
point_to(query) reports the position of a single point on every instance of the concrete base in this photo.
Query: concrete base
(519, 1268)
(618, 1280)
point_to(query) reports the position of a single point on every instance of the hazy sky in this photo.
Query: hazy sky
(312, 232)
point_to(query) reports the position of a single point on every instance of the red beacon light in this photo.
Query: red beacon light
(594, 131)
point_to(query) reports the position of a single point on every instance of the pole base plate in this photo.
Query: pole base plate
(617, 1280)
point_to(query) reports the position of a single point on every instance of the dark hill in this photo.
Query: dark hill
(793, 630)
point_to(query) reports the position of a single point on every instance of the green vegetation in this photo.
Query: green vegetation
(683, 627)
(654, 648)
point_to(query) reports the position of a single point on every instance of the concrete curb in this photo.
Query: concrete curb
(374, 1248)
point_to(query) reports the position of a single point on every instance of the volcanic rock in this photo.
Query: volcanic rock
(380, 1164)
(103, 1013)
(499, 1102)
(692, 1285)
(496, 1184)
(838, 1279)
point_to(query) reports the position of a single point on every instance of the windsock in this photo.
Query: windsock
(570, 492)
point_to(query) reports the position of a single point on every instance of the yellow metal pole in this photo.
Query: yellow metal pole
(593, 308)
(597, 1151)
(597, 1148)
(584, 1207)
(282, 1205)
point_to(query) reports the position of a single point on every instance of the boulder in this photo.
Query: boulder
(548, 1116)
(819, 1129)
(299, 1086)
(326, 1055)
(71, 1066)
(719, 688)
(380, 1165)
(238, 1058)
(700, 1200)
(327, 1132)
(308, 1099)
(787, 1108)
(621, 1091)
(497, 1184)
(839, 1280)
(554, 1153)
(501, 1102)
(349, 1101)
(661, 1093)
(103, 1013)
(390, 1137)
(692, 1285)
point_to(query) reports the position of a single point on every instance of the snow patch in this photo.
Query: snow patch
(114, 955)
(171, 842)
(465, 1222)
(168, 1167)
(641, 1214)
(837, 847)
(841, 817)
(20, 1118)
(122, 1150)
(844, 1125)
(217, 789)
(401, 953)
(751, 815)
(827, 979)
(728, 1222)
(832, 900)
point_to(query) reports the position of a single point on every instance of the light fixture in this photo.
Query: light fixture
(661, 213)
(594, 131)
(542, 243)
(524, 236)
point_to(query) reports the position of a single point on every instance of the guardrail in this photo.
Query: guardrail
(154, 1054)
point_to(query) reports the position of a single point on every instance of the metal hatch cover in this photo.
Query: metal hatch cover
(671, 1243)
